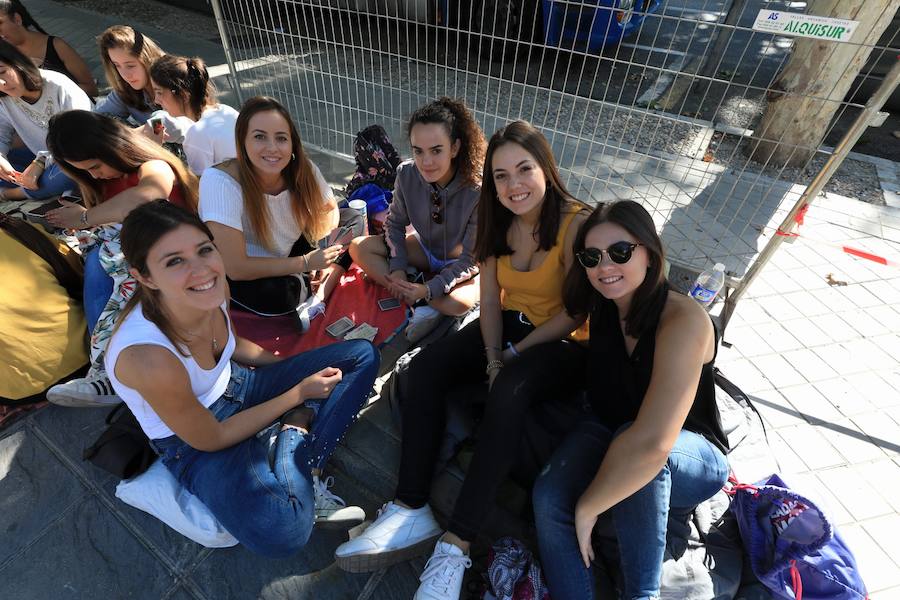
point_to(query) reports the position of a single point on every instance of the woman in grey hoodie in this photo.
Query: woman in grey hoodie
(437, 193)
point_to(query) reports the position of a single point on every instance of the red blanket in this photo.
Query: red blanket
(355, 297)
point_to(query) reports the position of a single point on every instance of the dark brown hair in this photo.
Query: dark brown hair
(307, 204)
(28, 73)
(460, 125)
(580, 297)
(67, 276)
(14, 7)
(494, 219)
(77, 135)
(138, 45)
(188, 79)
(141, 230)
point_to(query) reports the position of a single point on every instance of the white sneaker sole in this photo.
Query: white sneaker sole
(368, 562)
(342, 519)
(79, 401)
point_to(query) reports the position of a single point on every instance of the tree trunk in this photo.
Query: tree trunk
(809, 90)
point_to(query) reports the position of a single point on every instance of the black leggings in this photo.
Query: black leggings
(435, 374)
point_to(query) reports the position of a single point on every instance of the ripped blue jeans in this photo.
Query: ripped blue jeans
(269, 508)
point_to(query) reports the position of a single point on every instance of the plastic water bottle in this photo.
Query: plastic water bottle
(708, 285)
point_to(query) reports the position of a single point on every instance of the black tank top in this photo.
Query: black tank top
(617, 382)
(53, 62)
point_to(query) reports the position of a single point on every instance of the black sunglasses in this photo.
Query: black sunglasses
(436, 215)
(619, 253)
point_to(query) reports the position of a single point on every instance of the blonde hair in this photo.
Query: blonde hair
(138, 45)
(307, 200)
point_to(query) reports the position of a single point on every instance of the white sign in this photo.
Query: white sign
(821, 28)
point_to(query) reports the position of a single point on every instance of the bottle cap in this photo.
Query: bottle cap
(719, 267)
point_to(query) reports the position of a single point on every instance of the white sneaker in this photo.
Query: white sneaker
(423, 320)
(331, 510)
(309, 310)
(397, 534)
(84, 392)
(443, 575)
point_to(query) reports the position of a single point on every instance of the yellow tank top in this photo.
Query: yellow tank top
(537, 293)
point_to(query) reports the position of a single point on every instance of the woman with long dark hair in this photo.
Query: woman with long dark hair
(117, 169)
(28, 98)
(437, 193)
(48, 52)
(201, 393)
(182, 87)
(522, 348)
(654, 448)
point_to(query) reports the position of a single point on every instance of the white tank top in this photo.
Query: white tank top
(207, 385)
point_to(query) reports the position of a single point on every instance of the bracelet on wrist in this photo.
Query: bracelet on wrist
(493, 365)
(84, 218)
(305, 264)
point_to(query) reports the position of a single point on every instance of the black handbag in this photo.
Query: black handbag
(269, 296)
(123, 448)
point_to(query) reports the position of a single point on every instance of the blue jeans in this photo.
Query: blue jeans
(694, 472)
(270, 508)
(52, 181)
(98, 287)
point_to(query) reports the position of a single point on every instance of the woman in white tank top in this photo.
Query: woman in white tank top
(178, 365)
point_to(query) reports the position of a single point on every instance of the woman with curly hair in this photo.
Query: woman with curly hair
(437, 193)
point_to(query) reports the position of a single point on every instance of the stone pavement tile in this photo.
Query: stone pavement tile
(875, 389)
(844, 396)
(810, 403)
(71, 430)
(807, 332)
(726, 354)
(782, 282)
(853, 444)
(310, 574)
(806, 302)
(789, 462)
(747, 341)
(884, 476)
(807, 255)
(883, 430)
(88, 555)
(812, 448)
(779, 308)
(777, 337)
(36, 490)
(811, 486)
(836, 328)
(777, 411)
(887, 594)
(760, 289)
(809, 365)
(882, 290)
(749, 312)
(877, 569)
(746, 376)
(864, 322)
(860, 296)
(839, 358)
(887, 315)
(857, 496)
(810, 279)
(874, 357)
(778, 371)
(834, 299)
(890, 343)
(886, 533)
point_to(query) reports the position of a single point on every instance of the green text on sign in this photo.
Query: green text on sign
(812, 26)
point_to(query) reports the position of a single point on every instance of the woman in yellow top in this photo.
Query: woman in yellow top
(519, 347)
(41, 319)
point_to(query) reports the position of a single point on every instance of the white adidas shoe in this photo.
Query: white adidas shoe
(331, 510)
(397, 534)
(84, 392)
(424, 319)
(443, 575)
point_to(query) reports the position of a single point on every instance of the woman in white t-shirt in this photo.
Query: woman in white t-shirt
(269, 207)
(28, 98)
(182, 87)
(175, 361)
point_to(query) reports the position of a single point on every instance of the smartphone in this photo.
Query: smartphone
(340, 327)
(157, 125)
(388, 304)
(43, 209)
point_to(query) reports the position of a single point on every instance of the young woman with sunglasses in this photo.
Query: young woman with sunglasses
(437, 193)
(520, 349)
(654, 448)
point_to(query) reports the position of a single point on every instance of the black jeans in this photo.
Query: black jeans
(435, 374)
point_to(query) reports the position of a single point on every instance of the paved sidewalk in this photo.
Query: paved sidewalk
(821, 360)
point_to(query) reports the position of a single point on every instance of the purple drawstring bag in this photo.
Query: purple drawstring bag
(793, 549)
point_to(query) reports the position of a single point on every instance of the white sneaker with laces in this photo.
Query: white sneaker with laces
(423, 320)
(84, 392)
(397, 534)
(309, 310)
(443, 575)
(331, 510)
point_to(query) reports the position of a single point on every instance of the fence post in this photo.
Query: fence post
(226, 45)
(868, 115)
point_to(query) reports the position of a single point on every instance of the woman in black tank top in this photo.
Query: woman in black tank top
(654, 446)
(20, 29)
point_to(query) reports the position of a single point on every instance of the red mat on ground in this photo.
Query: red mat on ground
(355, 297)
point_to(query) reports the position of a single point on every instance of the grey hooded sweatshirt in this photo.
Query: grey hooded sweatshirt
(455, 237)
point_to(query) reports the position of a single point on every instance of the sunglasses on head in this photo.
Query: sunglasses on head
(619, 253)
(436, 215)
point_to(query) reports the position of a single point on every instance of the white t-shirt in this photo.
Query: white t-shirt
(221, 201)
(210, 140)
(30, 121)
(207, 385)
